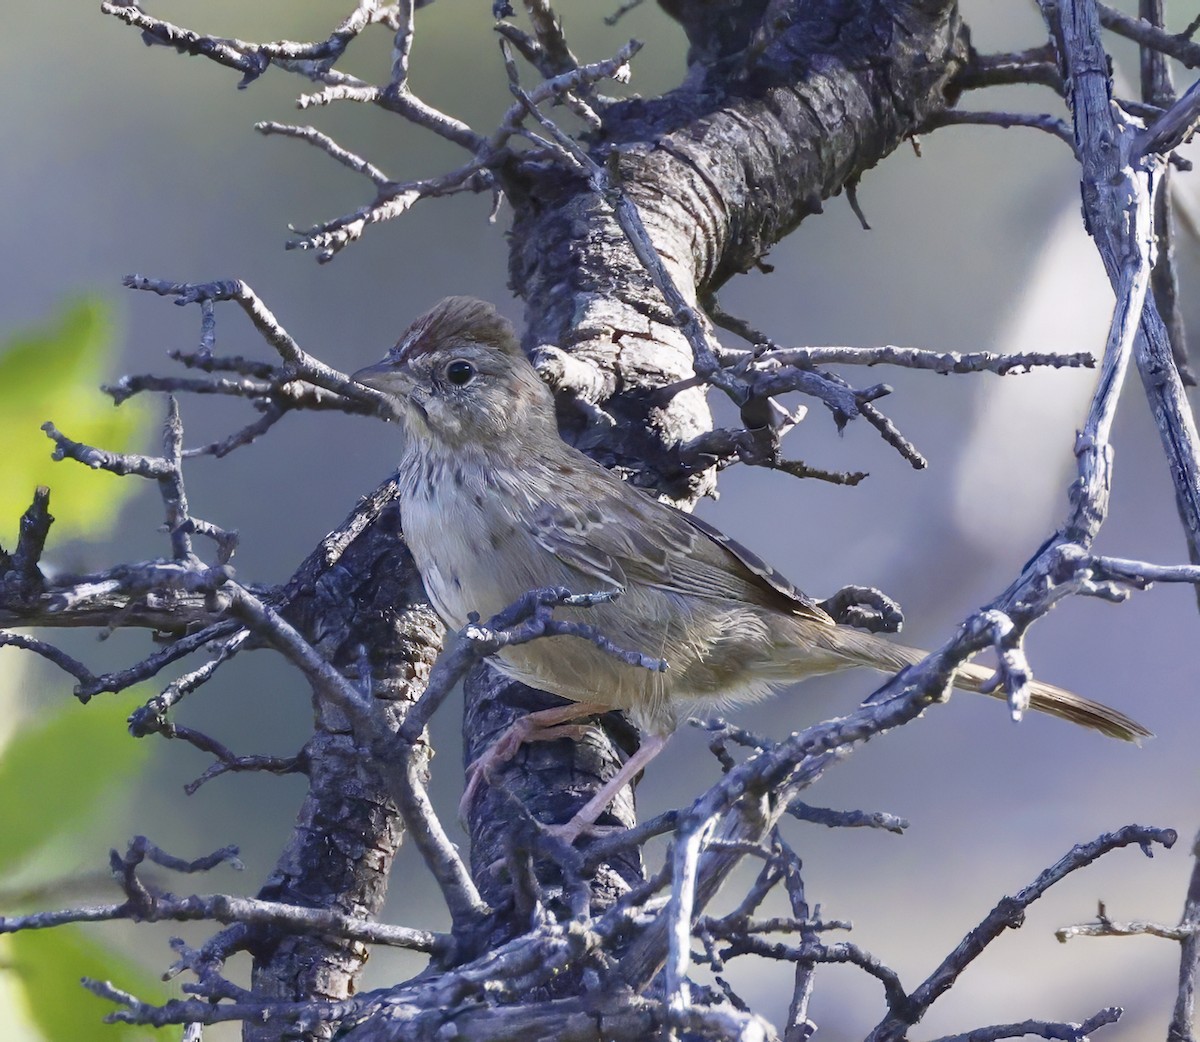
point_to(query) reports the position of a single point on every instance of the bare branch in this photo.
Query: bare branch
(1080, 1032)
(1010, 914)
(330, 237)
(848, 819)
(231, 53)
(327, 145)
(1173, 127)
(1136, 928)
(1119, 205)
(403, 769)
(1189, 954)
(152, 665)
(224, 908)
(120, 463)
(963, 117)
(788, 369)
(1158, 93)
(529, 618)
(246, 436)
(919, 358)
(400, 100)
(1178, 47)
(722, 448)
(1036, 65)
(690, 839)
(395, 198)
(253, 59)
(622, 11)
(227, 761)
(815, 952)
(49, 652)
(22, 575)
(303, 365)
(402, 44)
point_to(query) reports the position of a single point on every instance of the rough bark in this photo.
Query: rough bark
(360, 602)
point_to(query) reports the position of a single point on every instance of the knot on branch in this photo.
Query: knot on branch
(866, 608)
(1013, 672)
(20, 576)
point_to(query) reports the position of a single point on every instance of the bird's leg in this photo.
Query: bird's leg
(545, 725)
(586, 816)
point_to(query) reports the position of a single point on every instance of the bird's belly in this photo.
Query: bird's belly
(474, 556)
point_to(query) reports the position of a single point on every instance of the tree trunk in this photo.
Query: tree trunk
(720, 170)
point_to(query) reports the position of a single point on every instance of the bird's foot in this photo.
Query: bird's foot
(578, 826)
(543, 726)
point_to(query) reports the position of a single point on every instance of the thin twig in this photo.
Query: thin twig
(49, 652)
(23, 576)
(1035, 65)
(964, 117)
(1178, 47)
(224, 908)
(919, 358)
(1010, 914)
(327, 145)
(1067, 1032)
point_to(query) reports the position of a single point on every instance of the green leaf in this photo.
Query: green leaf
(54, 775)
(47, 966)
(53, 373)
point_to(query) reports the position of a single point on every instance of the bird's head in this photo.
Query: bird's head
(458, 376)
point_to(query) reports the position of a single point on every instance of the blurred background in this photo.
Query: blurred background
(121, 158)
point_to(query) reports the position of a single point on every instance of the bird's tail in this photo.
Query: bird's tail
(864, 649)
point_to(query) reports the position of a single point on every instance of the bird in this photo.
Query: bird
(494, 504)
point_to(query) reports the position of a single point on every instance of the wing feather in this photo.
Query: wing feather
(619, 541)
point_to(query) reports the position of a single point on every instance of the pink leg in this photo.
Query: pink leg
(543, 726)
(586, 816)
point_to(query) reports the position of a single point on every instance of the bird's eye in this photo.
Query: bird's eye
(459, 372)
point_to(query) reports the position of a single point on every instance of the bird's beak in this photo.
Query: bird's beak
(384, 376)
(393, 380)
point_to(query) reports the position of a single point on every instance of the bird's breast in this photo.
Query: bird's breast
(466, 527)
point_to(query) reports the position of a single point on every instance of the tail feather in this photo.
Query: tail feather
(1066, 705)
(888, 657)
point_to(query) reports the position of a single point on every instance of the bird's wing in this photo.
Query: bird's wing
(760, 573)
(620, 540)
